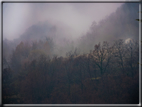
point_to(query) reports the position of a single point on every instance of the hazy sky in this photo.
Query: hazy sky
(17, 17)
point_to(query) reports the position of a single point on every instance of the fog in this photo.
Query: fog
(64, 28)
(70, 25)
(18, 17)
(121, 24)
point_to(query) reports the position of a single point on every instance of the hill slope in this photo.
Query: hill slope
(121, 24)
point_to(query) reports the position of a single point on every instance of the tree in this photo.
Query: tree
(102, 56)
(19, 54)
(132, 55)
(119, 53)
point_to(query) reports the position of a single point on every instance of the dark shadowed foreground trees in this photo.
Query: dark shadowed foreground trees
(107, 75)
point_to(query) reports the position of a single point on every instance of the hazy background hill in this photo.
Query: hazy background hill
(121, 24)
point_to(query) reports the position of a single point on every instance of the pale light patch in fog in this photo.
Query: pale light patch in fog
(20, 16)
(128, 40)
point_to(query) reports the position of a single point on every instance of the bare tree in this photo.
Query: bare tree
(102, 56)
(119, 53)
(132, 55)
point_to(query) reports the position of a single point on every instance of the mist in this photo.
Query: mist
(70, 53)
(121, 24)
(59, 21)
(70, 26)
(18, 17)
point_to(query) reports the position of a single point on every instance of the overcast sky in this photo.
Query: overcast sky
(17, 17)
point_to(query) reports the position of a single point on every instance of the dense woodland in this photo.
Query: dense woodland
(38, 69)
(107, 74)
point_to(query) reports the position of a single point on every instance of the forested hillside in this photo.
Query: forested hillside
(101, 67)
(108, 74)
(121, 24)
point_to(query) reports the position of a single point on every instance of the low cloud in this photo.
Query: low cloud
(18, 17)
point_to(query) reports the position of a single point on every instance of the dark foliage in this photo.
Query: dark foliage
(107, 75)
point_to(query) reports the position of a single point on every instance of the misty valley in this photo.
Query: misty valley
(46, 66)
